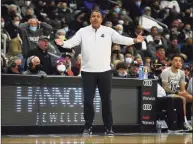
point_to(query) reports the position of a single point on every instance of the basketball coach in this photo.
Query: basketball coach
(95, 41)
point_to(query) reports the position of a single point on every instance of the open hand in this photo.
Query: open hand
(59, 42)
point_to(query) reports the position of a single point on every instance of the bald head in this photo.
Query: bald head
(35, 61)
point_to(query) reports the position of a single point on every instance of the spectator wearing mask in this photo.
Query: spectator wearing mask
(33, 66)
(42, 53)
(61, 67)
(120, 30)
(187, 49)
(121, 70)
(151, 47)
(13, 26)
(128, 58)
(116, 54)
(76, 69)
(14, 65)
(65, 12)
(34, 29)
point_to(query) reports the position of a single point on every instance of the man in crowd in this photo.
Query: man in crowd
(33, 66)
(173, 81)
(41, 52)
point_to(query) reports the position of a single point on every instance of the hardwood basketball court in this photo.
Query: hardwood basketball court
(179, 138)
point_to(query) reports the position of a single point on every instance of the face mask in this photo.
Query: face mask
(128, 60)
(138, 3)
(61, 68)
(115, 51)
(19, 68)
(63, 38)
(121, 22)
(117, 10)
(124, 13)
(16, 23)
(66, 29)
(2, 24)
(121, 75)
(28, 3)
(156, 41)
(33, 28)
(38, 67)
(120, 31)
(64, 9)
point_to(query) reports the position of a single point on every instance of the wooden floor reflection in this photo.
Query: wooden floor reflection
(76, 139)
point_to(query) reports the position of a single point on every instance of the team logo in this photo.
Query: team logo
(147, 83)
(147, 107)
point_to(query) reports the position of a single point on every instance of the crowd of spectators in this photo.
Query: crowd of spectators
(29, 28)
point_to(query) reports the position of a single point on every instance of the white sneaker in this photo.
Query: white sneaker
(187, 126)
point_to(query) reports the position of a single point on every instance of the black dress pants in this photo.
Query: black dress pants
(103, 81)
(169, 104)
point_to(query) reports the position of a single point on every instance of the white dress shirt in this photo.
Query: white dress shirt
(96, 46)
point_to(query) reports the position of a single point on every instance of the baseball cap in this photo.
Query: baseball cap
(43, 38)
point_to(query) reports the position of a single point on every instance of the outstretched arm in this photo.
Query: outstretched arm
(74, 41)
(123, 40)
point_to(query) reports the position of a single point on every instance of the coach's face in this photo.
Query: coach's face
(96, 20)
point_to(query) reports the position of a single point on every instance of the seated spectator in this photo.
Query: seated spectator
(42, 53)
(173, 49)
(33, 66)
(108, 24)
(133, 71)
(121, 70)
(128, 58)
(160, 54)
(56, 49)
(14, 65)
(151, 46)
(116, 54)
(15, 47)
(187, 71)
(77, 68)
(61, 67)
(187, 49)
(68, 57)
